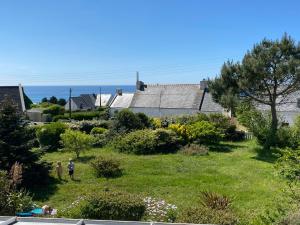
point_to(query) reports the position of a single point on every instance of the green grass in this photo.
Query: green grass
(236, 172)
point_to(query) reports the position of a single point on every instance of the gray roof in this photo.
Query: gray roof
(89, 99)
(61, 221)
(209, 105)
(122, 101)
(288, 105)
(84, 101)
(176, 96)
(14, 93)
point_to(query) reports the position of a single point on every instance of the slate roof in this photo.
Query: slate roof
(122, 101)
(176, 96)
(89, 99)
(209, 105)
(84, 101)
(14, 93)
(290, 104)
(105, 99)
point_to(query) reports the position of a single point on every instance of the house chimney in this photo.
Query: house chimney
(119, 91)
(203, 84)
(140, 86)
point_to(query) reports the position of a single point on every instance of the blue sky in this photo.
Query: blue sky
(97, 42)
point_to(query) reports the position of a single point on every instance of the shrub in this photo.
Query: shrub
(137, 142)
(166, 140)
(287, 137)
(107, 167)
(12, 200)
(157, 123)
(203, 215)
(87, 125)
(76, 141)
(49, 135)
(181, 130)
(147, 142)
(146, 122)
(54, 110)
(113, 206)
(79, 116)
(194, 149)
(127, 121)
(98, 130)
(204, 132)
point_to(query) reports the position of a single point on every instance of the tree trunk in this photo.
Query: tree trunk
(272, 136)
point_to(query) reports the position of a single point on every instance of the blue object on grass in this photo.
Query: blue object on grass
(37, 211)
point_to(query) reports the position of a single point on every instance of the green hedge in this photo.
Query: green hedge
(113, 206)
(90, 115)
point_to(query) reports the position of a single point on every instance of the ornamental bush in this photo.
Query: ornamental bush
(98, 130)
(204, 132)
(113, 206)
(107, 167)
(147, 142)
(137, 142)
(49, 135)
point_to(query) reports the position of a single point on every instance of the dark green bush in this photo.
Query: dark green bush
(107, 167)
(147, 142)
(194, 149)
(127, 121)
(54, 110)
(114, 206)
(49, 135)
(166, 140)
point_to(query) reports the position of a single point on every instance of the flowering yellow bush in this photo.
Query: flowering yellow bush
(181, 130)
(157, 122)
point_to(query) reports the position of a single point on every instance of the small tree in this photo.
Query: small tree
(76, 141)
(61, 102)
(44, 100)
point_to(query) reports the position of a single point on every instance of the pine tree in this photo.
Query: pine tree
(16, 143)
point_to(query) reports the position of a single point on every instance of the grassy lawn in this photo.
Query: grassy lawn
(236, 172)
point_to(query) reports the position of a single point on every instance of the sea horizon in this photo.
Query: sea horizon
(37, 92)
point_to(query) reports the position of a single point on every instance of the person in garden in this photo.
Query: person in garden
(59, 170)
(71, 167)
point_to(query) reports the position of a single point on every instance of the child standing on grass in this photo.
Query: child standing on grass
(59, 170)
(71, 167)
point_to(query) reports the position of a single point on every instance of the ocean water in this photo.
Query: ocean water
(36, 93)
